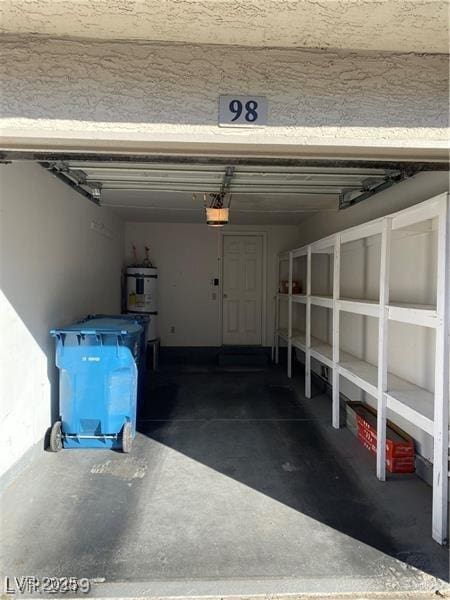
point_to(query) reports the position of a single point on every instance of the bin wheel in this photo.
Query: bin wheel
(56, 437)
(127, 438)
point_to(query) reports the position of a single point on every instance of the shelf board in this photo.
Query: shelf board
(299, 252)
(326, 301)
(403, 397)
(324, 246)
(414, 314)
(412, 403)
(362, 231)
(415, 214)
(299, 340)
(322, 351)
(359, 372)
(369, 308)
(284, 334)
(324, 250)
(300, 298)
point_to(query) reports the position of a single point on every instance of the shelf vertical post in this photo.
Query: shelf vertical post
(275, 339)
(308, 326)
(277, 314)
(441, 388)
(386, 235)
(289, 349)
(272, 349)
(336, 293)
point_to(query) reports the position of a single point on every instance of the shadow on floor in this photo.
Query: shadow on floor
(260, 432)
(233, 477)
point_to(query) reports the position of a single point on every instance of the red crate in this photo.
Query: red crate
(400, 465)
(400, 457)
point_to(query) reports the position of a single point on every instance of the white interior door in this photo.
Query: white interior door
(242, 290)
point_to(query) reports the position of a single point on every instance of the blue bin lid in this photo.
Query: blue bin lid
(101, 325)
(129, 316)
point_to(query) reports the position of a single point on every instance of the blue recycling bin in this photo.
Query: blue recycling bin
(98, 375)
(143, 320)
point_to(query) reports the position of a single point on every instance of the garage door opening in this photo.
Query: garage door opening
(238, 482)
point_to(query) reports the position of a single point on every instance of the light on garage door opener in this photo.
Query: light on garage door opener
(217, 204)
(217, 208)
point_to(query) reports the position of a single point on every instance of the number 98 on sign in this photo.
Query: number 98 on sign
(242, 111)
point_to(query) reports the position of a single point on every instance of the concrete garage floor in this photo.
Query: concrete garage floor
(236, 485)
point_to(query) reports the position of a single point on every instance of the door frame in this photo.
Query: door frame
(263, 235)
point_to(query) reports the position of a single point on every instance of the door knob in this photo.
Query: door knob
(225, 296)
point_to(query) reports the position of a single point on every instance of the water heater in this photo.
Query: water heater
(142, 295)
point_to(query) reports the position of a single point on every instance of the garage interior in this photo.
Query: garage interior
(238, 482)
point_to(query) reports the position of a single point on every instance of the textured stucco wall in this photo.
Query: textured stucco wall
(391, 25)
(144, 94)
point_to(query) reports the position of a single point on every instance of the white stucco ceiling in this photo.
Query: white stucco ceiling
(181, 207)
(388, 25)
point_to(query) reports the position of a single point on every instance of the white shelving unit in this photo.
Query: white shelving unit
(426, 410)
(281, 331)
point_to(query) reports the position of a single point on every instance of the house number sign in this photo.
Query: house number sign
(242, 111)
